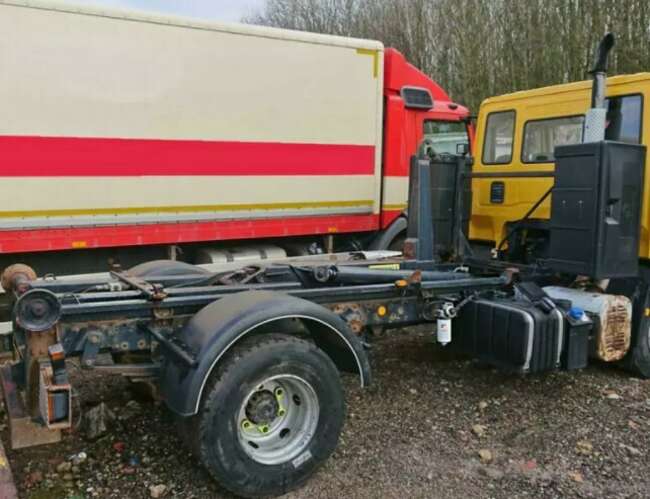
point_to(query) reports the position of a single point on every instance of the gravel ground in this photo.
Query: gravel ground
(434, 425)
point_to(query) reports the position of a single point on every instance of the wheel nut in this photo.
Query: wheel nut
(279, 392)
(264, 429)
(246, 424)
(281, 412)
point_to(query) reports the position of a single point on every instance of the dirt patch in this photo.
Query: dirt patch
(433, 425)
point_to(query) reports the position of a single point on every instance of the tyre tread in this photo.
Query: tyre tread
(197, 426)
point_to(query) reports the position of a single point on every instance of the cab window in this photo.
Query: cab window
(445, 136)
(542, 136)
(499, 134)
(624, 119)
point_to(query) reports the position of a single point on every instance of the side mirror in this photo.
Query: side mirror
(462, 148)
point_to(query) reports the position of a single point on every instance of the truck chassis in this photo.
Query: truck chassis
(255, 350)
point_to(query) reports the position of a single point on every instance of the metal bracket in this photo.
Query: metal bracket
(419, 243)
(92, 346)
(173, 348)
(151, 291)
(23, 431)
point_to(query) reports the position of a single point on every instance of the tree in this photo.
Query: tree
(479, 48)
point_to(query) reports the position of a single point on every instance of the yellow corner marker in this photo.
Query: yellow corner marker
(381, 311)
(375, 60)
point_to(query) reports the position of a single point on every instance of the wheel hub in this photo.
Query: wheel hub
(262, 408)
(278, 419)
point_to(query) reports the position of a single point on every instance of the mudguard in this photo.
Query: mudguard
(384, 239)
(218, 326)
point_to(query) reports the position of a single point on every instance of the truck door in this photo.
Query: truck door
(514, 164)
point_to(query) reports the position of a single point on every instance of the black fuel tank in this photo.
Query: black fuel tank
(513, 335)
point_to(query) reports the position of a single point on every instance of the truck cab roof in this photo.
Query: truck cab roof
(554, 90)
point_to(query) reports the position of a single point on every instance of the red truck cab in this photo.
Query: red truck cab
(406, 124)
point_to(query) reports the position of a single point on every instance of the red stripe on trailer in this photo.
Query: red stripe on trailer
(18, 241)
(28, 156)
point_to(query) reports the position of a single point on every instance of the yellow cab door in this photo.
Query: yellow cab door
(516, 137)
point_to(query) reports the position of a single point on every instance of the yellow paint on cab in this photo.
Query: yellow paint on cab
(488, 219)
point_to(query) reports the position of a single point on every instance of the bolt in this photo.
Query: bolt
(281, 412)
(246, 424)
(264, 429)
(279, 392)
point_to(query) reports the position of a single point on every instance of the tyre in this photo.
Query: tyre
(270, 416)
(638, 359)
(397, 244)
(389, 239)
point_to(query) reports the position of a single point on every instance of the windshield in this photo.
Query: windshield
(446, 135)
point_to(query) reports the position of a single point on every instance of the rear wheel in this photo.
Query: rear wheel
(397, 244)
(638, 359)
(271, 415)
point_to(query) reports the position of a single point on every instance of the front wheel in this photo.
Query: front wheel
(271, 415)
(638, 359)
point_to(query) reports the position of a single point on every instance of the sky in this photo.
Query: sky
(221, 10)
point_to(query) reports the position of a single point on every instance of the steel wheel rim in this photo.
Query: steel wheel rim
(278, 419)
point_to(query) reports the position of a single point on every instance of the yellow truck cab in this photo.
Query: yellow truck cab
(514, 163)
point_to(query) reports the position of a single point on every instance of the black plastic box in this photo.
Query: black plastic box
(576, 347)
(596, 209)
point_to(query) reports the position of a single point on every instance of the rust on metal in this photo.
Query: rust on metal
(409, 249)
(23, 431)
(162, 314)
(37, 351)
(48, 389)
(415, 277)
(353, 314)
(17, 277)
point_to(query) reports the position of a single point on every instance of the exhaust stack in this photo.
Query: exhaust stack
(596, 116)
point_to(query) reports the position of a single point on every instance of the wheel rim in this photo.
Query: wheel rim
(278, 419)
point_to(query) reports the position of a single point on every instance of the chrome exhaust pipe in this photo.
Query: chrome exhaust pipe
(595, 121)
